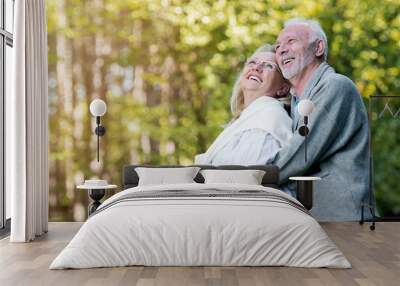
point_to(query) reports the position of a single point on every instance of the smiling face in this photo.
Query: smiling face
(294, 51)
(261, 75)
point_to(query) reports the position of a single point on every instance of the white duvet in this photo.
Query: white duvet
(200, 231)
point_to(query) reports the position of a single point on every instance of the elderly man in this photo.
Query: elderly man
(338, 149)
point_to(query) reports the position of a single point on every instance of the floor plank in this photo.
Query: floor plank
(374, 255)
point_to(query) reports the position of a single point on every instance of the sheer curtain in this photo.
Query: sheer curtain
(26, 124)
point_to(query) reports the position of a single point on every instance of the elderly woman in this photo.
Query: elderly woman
(260, 126)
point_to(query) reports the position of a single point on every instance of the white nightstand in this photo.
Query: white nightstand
(96, 194)
(305, 190)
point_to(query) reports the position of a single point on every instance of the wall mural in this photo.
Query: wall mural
(166, 69)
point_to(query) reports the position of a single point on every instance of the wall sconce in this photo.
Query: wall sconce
(98, 108)
(305, 108)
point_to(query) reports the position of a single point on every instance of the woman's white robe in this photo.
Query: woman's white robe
(263, 128)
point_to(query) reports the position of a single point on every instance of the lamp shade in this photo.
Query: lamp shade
(305, 107)
(98, 107)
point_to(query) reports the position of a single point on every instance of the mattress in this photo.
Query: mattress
(201, 225)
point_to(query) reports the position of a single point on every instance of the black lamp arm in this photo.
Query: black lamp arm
(303, 131)
(99, 131)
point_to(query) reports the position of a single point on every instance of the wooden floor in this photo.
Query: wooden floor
(374, 255)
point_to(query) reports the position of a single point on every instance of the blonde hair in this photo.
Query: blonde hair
(237, 97)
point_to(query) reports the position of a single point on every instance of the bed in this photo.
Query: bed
(201, 224)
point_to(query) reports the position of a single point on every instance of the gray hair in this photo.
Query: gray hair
(237, 97)
(317, 33)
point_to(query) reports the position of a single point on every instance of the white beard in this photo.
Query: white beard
(298, 65)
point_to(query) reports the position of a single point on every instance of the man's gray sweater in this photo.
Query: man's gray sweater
(338, 147)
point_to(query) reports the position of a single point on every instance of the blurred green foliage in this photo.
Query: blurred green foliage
(385, 124)
(166, 70)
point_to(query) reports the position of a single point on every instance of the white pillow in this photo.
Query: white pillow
(165, 176)
(249, 177)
